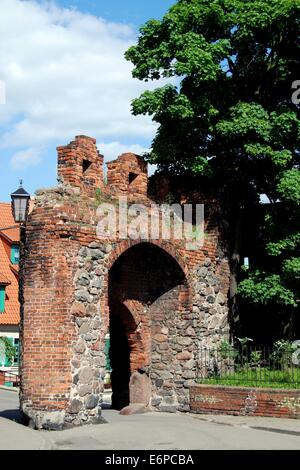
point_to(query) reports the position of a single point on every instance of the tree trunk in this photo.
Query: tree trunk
(235, 261)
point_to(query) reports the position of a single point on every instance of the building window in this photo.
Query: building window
(15, 254)
(2, 299)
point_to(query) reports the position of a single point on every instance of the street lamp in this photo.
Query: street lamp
(20, 204)
(20, 207)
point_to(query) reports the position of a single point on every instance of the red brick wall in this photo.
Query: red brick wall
(47, 328)
(128, 175)
(81, 165)
(277, 403)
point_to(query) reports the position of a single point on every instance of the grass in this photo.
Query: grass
(259, 377)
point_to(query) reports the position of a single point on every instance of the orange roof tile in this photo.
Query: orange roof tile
(7, 220)
(3, 280)
(15, 268)
(11, 316)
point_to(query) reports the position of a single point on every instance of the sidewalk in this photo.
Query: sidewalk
(9, 389)
(278, 425)
(152, 431)
(159, 431)
(15, 436)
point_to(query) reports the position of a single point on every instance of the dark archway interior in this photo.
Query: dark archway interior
(120, 363)
(139, 277)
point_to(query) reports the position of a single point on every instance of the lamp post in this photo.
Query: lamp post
(20, 208)
(20, 204)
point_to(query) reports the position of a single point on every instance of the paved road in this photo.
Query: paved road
(153, 431)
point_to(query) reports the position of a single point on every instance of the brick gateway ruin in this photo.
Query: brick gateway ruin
(160, 301)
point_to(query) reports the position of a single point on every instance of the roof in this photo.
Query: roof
(3, 280)
(21, 192)
(7, 220)
(9, 272)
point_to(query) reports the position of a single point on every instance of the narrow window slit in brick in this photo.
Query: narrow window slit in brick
(86, 164)
(132, 177)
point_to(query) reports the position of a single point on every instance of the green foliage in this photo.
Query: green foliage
(258, 377)
(229, 59)
(246, 119)
(288, 186)
(265, 288)
(98, 196)
(201, 165)
(10, 350)
(226, 350)
(282, 353)
(255, 358)
(227, 114)
(289, 243)
(162, 99)
(243, 366)
(291, 269)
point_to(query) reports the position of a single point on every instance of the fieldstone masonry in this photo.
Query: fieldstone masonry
(160, 301)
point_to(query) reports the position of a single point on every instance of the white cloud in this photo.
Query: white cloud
(2, 92)
(65, 75)
(113, 149)
(26, 158)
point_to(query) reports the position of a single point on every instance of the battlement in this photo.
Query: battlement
(81, 165)
(128, 174)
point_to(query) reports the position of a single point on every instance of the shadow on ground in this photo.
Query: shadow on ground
(106, 406)
(13, 415)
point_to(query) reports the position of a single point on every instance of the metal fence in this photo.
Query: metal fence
(250, 366)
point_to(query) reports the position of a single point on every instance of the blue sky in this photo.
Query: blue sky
(133, 12)
(64, 72)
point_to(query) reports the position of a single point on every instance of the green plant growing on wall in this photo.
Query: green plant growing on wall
(98, 196)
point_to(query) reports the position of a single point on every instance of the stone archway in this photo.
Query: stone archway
(75, 282)
(145, 284)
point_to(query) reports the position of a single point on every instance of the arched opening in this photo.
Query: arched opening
(145, 284)
(120, 362)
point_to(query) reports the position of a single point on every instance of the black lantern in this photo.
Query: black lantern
(20, 204)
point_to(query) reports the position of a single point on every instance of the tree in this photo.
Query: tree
(227, 114)
(9, 351)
